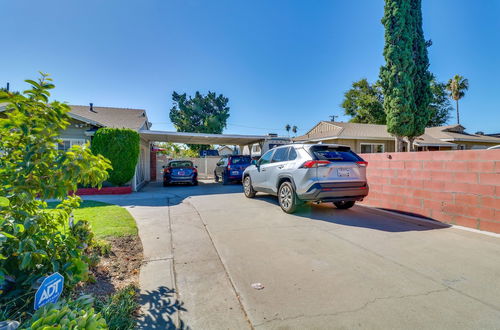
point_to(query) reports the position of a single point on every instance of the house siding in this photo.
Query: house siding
(72, 132)
(476, 145)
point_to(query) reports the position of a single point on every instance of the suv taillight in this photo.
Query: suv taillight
(362, 163)
(315, 163)
(195, 170)
(167, 170)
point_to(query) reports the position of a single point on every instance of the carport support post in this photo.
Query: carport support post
(206, 167)
(241, 148)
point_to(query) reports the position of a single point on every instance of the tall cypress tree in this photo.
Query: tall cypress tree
(422, 92)
(397, 74)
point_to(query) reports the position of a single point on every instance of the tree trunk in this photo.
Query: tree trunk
(410, 144)
(399, 144)
(458, 115)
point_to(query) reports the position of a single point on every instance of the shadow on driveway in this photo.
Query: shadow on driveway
(355, 217)
(162, 310)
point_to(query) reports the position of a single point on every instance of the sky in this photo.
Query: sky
(279, 62)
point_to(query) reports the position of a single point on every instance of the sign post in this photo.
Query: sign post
(49, 291)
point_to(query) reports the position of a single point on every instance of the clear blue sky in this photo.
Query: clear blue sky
(278, 62)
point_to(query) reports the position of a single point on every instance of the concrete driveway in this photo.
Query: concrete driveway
(320, 268)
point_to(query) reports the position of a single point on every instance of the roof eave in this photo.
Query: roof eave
(85, 120)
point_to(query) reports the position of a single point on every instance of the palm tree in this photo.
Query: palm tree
(456, 87)
(294, 130)
(288, 127)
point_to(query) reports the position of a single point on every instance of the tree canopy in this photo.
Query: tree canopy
(364, 103)
(199, 114)
(405, 77)
(456, 87)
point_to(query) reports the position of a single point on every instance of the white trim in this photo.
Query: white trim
(372, 144)
(85, 120)
(471, 140)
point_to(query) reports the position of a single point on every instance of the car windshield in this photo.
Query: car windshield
(178, 164)
(330, 153)
(237, 160)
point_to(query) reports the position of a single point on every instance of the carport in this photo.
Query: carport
(147, 161)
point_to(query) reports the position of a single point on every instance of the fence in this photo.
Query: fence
(206, 166)
(456, 187)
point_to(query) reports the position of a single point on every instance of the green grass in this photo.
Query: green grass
(107, 220)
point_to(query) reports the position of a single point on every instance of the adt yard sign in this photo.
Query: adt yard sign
(49, 291)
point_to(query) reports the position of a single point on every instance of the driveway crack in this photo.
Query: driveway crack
(365, 305)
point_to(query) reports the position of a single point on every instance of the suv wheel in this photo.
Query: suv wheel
(247, 187)
(344, 204)
(287, 197)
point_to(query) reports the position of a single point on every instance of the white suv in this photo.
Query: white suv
(308, 172)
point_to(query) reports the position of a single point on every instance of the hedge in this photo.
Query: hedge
(121, 147)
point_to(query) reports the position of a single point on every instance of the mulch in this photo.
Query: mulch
(117, 270)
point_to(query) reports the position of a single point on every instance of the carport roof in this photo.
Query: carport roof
(200, 138)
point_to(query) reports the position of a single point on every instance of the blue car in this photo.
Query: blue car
(231, 167)
(180, 171)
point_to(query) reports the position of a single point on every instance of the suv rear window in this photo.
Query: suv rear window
(334, 154)
(237, 160)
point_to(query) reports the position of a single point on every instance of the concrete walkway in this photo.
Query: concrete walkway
(321, 268)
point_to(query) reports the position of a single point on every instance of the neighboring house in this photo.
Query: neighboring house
(464, 141)
(86, 120)
(225, 150)
(371, 138)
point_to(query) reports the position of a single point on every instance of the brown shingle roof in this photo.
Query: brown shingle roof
(112, 117)
(451, 133)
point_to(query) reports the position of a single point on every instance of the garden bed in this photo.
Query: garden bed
(118, 269)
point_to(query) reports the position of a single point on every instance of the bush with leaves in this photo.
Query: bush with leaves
(36, 241)
(121, 147)
(76, 314)
(119, 309)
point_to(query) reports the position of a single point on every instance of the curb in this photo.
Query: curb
(425, 222)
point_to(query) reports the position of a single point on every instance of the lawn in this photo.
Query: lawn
(107, 220)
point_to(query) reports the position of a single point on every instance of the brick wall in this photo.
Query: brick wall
(457, 187)
(152, 165)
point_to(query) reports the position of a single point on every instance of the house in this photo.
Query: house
(86, 120)
(225, 150)
(370, 138)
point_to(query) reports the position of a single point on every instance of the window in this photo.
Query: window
(292, 155)
(237, 160)
(342, 154)
(370, 148)
(180, 164)
(266, 158)
(65, 144)
(280, 155)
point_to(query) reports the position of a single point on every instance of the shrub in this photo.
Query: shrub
(121, 147)
(119, 309)
(76, 314)
(36, 241)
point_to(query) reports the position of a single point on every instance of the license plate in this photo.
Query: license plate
(344, 172)
(181, 173)
(235, 172)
